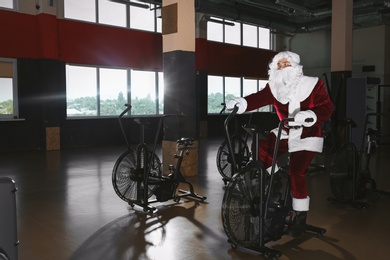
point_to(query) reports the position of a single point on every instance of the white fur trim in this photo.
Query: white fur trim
(305, 87)
(301, 204)
(242, 105)
(301, 116)
(296, 143)
(283, 135)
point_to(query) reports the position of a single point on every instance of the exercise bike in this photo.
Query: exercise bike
(350, 176)
(239, 146)
(257, 206)
(137, 176)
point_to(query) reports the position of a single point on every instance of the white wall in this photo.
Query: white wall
(315, 51)
(371, 46)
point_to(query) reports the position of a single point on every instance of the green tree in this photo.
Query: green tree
(215, 100)
(143, 106)
(7, 107)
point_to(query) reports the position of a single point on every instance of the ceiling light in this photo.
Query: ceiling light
(209, 19)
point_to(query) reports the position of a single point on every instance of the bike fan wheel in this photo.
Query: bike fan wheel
(241, 208)
(129, 174)
(343, 167)
(224, 160)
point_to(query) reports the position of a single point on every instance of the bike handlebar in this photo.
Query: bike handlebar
(128, 108)
(291, 119)
(223, 108)
(226, 127)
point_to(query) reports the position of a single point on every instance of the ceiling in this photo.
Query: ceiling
(292, 16)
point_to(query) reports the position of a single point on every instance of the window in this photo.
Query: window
(251, 86)
(113, 13)
(226, 31)
(143, 92)
(80, 10)
(215, 94)
(112, 90)
(264, 38)
(232, 87)
(215, 31)
(233, 33)
(142, 19)
(9, 4)
(101, 92)
(249, 35)
(222, 89)
(8, 90)
(81, 91)
(160, 91)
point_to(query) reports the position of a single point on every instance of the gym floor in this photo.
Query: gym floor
(68, 209)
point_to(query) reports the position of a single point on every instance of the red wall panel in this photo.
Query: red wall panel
(45, 36)
(232, 60)
(87, 43)
(18, 34)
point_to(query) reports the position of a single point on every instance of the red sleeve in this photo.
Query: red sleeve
(259, 99)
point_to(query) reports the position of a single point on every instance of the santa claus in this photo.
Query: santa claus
(295, 96)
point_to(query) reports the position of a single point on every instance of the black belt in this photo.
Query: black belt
(292, 126)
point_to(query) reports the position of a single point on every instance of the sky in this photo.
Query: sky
(5, 88)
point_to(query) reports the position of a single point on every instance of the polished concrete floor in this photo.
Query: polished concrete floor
(67, 209)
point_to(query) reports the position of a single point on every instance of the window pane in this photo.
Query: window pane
(215, 31)
(113, 91)
(140, 18)
(249, 35)
(159, 25)
(233, 33)
(6, 97)
(264, 38)
(249, 87)
(262, 84)
(7, 4)
(143, 93)
(112, 13)
(161, 92)
(81, 91)
(232, 88)
(81, 10)
(214, 94)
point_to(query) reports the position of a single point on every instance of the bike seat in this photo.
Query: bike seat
(255, 129)
(185, 141)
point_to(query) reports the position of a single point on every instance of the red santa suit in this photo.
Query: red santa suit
(301, 142)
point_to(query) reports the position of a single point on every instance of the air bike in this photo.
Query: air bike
(257, 206)
(137, 177)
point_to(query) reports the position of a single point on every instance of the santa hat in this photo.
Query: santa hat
(292, 57)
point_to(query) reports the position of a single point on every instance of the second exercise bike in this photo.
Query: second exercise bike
(257, 205)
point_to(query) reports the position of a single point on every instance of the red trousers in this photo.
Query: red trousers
(298, 164)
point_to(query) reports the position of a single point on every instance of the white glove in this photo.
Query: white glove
(308, 115)
(239, 102)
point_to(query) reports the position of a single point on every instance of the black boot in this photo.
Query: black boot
(298, 226)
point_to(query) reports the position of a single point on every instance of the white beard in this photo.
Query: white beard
(284, 82)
